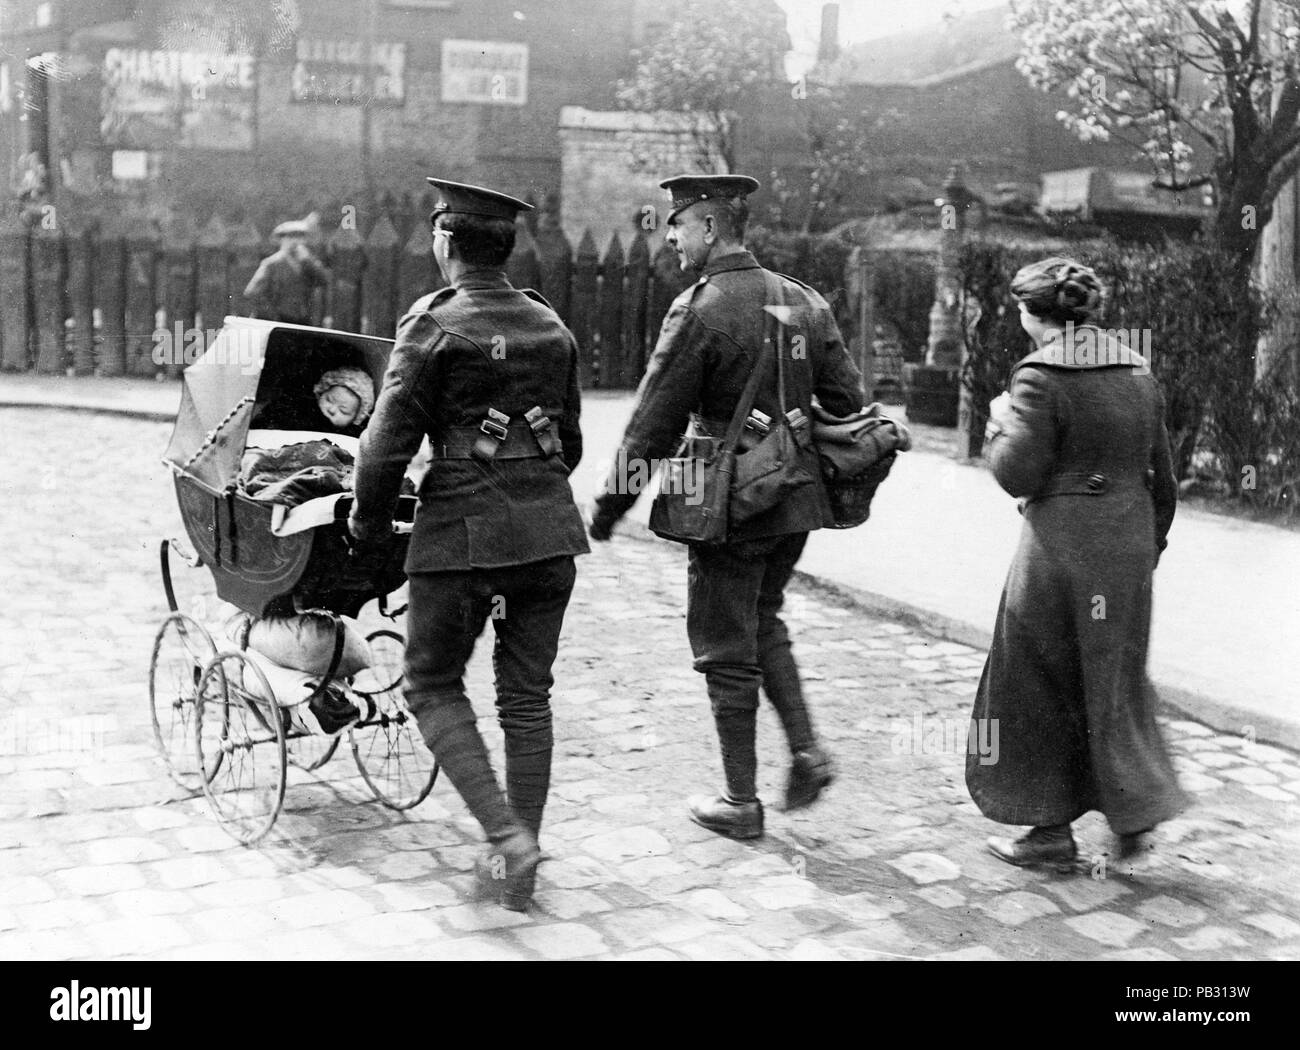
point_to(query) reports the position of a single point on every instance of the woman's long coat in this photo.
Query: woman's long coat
(1086, 447)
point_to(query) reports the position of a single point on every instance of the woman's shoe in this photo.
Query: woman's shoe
(1133, 843)
(1044, 845)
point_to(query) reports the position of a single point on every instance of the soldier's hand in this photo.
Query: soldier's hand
(599, 528)
(363, 540)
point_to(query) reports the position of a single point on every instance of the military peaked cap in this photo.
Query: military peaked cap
(292, 228)
(459, 199)
(686, 190)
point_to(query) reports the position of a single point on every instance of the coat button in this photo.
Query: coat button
(1096, 481)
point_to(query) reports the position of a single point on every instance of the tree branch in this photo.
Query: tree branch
(1182, 185)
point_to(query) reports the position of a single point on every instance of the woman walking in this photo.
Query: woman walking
(1080, 437)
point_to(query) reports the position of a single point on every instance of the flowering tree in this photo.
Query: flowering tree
(839, 135)
(1207, 91)
(705, 64)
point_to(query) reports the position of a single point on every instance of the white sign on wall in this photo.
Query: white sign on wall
(485, 71)
(130, 164)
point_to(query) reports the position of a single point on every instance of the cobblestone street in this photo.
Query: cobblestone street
(102, 856)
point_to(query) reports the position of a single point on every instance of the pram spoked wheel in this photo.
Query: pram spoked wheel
(182, 648)
(310, 751)
(239, 744)
(388, 748)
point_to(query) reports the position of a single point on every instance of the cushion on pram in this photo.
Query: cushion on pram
(305, 642)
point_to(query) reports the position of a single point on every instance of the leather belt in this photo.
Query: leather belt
(519, 443)
(1086, 484)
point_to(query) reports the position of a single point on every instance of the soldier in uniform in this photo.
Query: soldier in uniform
(709, 343)
(490, 374)
(282, 287)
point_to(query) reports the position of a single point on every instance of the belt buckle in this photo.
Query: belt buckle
(538, 421)
(495, 429)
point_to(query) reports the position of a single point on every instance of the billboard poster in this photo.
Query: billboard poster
(153, 100)
(338, 72)
(491, 72)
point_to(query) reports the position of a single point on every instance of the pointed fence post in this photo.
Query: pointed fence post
(523, 268)
(80, 245)
(15, 332)
(245, 256)
(110, 296)
(180, 296)
(582, 308)
(379, 283)
(419, 274)
(49, 283)
(555, 256)
(613, 353)
(347, 263)
(143, 249)
(635, 302)
(668, 282)
(213, 275)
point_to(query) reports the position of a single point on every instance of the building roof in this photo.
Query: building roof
(961, 44)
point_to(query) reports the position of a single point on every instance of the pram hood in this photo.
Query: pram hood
(221, 388)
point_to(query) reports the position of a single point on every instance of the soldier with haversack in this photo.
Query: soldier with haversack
(709, 344)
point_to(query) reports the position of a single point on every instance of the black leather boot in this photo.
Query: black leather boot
(810, 772)
(528, 781)
(507, 869)
(736, 820)
(1042, 845)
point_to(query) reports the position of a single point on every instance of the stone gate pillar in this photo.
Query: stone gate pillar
(933, 388)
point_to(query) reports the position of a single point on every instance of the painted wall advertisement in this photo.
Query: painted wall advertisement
(339, 72)
(485, 71)
(153, 100)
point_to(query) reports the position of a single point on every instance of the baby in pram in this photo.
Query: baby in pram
(345, 397)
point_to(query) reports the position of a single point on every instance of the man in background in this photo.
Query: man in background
(282, 287)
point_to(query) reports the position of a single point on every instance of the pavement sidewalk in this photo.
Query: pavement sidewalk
(936, 551)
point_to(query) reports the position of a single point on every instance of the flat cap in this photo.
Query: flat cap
(686, 190)
(460, 199)
(292, 228)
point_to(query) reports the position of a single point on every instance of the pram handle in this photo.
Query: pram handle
(343, 507)
(164, 551)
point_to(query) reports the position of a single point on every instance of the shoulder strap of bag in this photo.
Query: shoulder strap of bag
(746, 402)
(776, 297)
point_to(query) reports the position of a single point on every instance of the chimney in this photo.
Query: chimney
(828, 49)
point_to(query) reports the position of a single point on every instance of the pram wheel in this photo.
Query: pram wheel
(181, 650)
(388, 749)
(310, 751)
(239, 743)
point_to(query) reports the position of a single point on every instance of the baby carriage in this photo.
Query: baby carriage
(219, 723)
